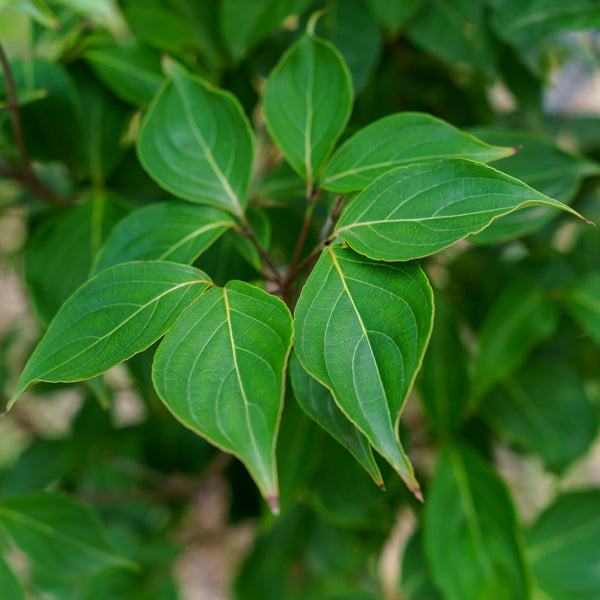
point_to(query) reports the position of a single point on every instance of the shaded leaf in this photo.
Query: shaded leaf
(197, 143)
(544, 409)
(416, 581)
(397, 140)
(394, 15)
(174, 232)
(110, 318)
(361, 329)
(520, 318)
(582, 300)
(444, 380)
(59, 535)
(470, 520)
(131, 72)
(562, 547)
(411, 212)
(281, 183)
(540, 164)
(317, 402)
(245, 24)
(220, 371)
(307, 102)
(9, 584)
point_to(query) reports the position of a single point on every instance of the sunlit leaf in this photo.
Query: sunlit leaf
(220, 371)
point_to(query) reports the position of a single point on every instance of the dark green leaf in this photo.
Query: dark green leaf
(416, 582)
(281, 183)
(110, 318)
(444, 380)
(220, 371)
(544, 408)
(520, 318)
(394, 15)
(9, 584)
(244, 24)
(261, 226)
(197, 143)
(562, 547)
(401, 139)
(307, 102)
(361, 329)
(59, 535)
(131, 72)
(542, 165)
(317, 402)
(411, 212)
(472, 540)
(175, 232)
(582, 300)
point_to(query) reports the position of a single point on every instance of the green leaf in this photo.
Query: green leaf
(562, 547)
(261, 226)
(220, 371)
(461, 24)
(197, 143)
(519, 319)
(416, 580)
(544, 408)
(38, 10)
(9, 584)
(582, 300)
(540, 164)
(131, 72)
(245, 24)
(174, 232)
(351, 27)
(307, 103)
(318, 403)
(62, 248)
(280, 184)
(471, 536)
(59, 535)
(411, 212)
(394, 15)
(110, 318)
(444, 380)
(361, 329)
(398, 140)
(103, 12)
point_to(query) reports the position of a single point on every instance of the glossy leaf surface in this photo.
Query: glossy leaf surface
(110, 318)
(317, 402)
(521, 317)
(361, 329)
(61, 536)
(307, 102)
(544, 408)
(401, 139)
(220, 371)
(582, 300)
(411, 212)
(9, 584)
(174, 232)
(562, 547)
(469, 520)
(197, 143)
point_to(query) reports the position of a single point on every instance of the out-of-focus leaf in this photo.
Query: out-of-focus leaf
(351, 27)
(470, 520)
(444, 380)
(62, 248)
(281, 183)
(103, 12)
(540, 164)
(544, 408)
(59, 535)
(261, 226)
(9, 584)
(401, 139)
(114, 315)
(520, 317)
(582, 300)
(37, 10)
(361, 329)
(411, 212)
(394, 15)
(197, 143)
(220, 371)
(174, 232)
(317, 402)
(416, 582)
(307, 102)
(131, 72)
(562, 547)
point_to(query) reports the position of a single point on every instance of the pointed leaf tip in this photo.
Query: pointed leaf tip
(417, 492)
(273, 502)
(381, 486)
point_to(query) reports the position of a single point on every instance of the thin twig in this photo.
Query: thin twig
(248, 232)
